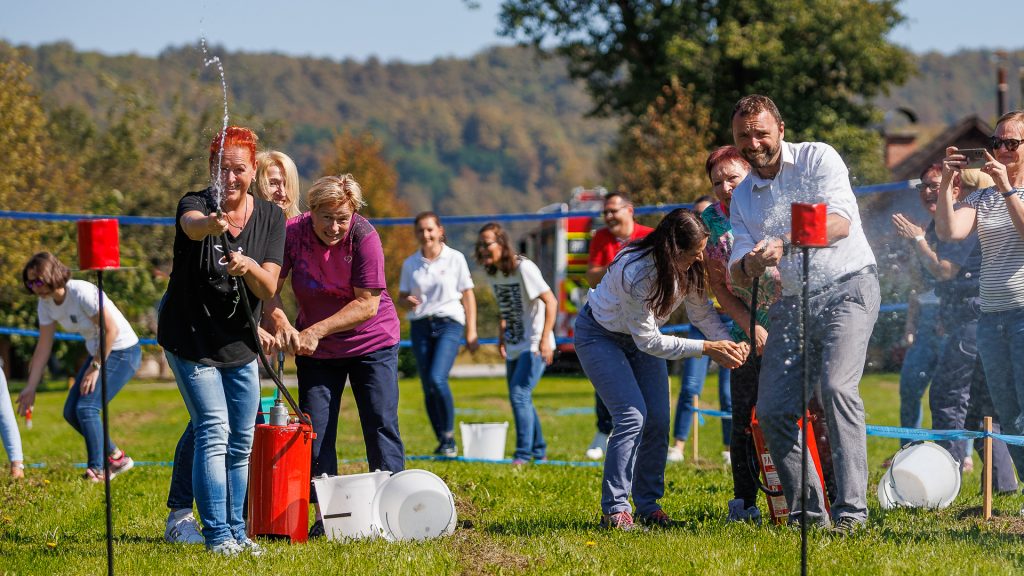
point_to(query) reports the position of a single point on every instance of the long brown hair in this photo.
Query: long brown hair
(678, 233)
(508, 261)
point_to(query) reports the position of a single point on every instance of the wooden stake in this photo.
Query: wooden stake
(986, 480)
(696, 425)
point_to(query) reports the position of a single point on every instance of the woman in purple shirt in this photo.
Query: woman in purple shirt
(346, 328)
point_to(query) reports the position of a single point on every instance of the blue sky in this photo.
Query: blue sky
(409, 30)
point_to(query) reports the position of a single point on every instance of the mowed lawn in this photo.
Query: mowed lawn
(532, 519)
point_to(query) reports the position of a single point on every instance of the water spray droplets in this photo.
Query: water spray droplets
(218, 184)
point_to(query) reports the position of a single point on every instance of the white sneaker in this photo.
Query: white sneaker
(737, 513)
(727, 456)
(596, 449)
(182, 528)
(251, 547)
(675, 454)
(227, 548)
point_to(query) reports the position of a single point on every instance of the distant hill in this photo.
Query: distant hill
(501, 131)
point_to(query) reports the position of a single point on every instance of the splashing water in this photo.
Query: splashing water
(218, 184)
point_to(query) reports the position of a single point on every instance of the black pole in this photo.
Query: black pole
(106, 427)
(804, 349)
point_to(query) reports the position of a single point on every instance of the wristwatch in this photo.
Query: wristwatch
(786, 245)
(95, 364)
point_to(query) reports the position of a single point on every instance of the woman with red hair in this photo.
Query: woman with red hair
(226, 240)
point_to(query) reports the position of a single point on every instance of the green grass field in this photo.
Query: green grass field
(533, 519)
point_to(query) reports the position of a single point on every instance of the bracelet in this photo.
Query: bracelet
(1010, 193)
(919, 237)
(96, 364)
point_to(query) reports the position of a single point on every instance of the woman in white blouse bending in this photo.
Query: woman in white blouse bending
(437, 289)
(624, 353)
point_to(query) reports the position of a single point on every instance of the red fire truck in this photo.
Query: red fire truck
(560, 248)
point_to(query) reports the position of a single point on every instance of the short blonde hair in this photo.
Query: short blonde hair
(974, 179)
(333, 190)
(264, 160)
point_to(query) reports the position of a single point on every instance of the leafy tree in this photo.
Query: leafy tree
(820, 60)
(660, 157)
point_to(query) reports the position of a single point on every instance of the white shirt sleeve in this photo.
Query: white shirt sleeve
(703, 315)
(405, 278)
(533, 281)
(833, 184)
(742, 242)
(465, 281)
(646, 331)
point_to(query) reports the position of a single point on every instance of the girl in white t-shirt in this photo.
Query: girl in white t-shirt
(525, 337)
(74, 304)
(436, 288)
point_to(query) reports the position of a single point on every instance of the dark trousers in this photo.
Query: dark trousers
(374, 379)
(604, 417)
(744, 396)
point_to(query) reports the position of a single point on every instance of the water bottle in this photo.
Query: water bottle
(278, 414)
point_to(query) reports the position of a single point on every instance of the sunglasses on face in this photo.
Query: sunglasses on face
(1011, 143)
(611, 212)
(485, 245)
(934, 186)
(35, 283)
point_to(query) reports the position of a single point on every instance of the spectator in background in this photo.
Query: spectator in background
(620, 229)
(436, 288)
(922, 329)
(997, 214)
(74, 304)
(525, 332)
(347, 327)
(277, 180)
(623, 352)
(844, 300)
(694, 374)
(9, 429)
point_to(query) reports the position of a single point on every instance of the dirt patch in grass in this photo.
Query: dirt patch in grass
(479, 554)
(1001, 521)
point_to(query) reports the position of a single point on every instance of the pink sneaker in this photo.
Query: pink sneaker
(120, 465)
(618, 521)
(94, 476)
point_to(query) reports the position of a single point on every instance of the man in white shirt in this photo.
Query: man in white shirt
(844, 299)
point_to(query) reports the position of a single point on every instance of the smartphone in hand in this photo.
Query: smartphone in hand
(975, 157)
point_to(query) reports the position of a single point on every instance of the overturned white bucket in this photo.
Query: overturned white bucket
(922, 475)
(346, 504)
(414, 505)
(484, 440)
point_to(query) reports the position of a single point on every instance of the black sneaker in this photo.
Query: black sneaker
(316, 530)
(846, 526)
(656, 519)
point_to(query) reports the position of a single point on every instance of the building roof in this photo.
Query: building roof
(970, 132)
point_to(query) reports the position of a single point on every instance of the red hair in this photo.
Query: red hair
(724, 154)
(232, 137)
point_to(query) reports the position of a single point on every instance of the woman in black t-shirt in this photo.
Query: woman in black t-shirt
(226, 240)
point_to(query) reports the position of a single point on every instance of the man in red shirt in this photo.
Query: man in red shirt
(620, 229)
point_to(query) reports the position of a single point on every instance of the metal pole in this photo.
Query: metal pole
(106, 427)
(804, 351)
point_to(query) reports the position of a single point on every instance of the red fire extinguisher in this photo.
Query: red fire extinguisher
(279, 477)
(767, 474)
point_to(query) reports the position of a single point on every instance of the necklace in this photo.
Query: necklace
(244, 217)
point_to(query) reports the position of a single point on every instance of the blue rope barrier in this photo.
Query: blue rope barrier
(409, 220)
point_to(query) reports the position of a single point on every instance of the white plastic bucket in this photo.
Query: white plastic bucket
(484, 440)
(414, 505)
(924, 475)
(346, 504)
(886, 492)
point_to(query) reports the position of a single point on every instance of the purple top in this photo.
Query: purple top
(323, 277)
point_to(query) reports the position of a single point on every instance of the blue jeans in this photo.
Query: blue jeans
(8, 422)
(435, 343)
(222, 403)
(695, 372)
(1001, 344)
(180, 495)
(634, 386)
(84, 412)
(374, 379)
(523, 374)
(919, 366)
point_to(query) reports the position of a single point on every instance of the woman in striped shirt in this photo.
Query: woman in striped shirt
(998, 214)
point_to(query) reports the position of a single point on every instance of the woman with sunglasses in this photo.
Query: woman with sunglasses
(75, 305)
(997, 213)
